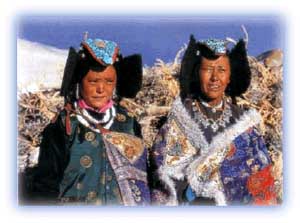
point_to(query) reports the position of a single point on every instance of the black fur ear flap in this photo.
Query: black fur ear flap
(207, 52)
(240, 70)
(129, 75)
(68, 77)
(189, 60)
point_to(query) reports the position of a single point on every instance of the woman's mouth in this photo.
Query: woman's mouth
(214, 87)
(98, 97)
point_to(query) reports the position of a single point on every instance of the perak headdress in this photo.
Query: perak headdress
(213, 48)
(97, 54)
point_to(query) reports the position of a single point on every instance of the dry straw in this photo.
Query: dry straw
(152, 104)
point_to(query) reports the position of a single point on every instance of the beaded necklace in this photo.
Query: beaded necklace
(214, 124)
(91, 121)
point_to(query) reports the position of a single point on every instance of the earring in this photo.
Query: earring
(85, 35)
(77, 91)
(114, 96)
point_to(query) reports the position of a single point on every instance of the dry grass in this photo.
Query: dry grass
(160, 87)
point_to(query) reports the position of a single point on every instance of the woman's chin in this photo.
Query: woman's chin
(214, 97)
(97, 105)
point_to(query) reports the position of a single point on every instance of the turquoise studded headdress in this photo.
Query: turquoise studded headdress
(240, 73)
(103, 51)
(98, 54)
(218, 46)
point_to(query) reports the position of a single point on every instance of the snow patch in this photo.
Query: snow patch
(39, 67)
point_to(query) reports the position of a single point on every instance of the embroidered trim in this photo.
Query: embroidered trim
(196, 136)
(178, 150)
(129, 146)
(129, 172)
(116, 160)
(201, 169)
(208, 184)
(136, 192)
(124, 172)
(165, 175)
(188, 126)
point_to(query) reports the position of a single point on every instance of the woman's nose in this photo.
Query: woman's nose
(214, 76)
(100, 88)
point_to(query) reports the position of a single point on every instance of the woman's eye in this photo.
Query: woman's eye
(109, 81)
(207, 69)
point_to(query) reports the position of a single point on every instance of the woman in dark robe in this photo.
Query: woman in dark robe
(92, 152)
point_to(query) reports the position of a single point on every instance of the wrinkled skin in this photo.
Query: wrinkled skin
(97, 87)
(214, 77)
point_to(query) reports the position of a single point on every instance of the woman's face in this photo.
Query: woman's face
(98, 87)
(214, 78)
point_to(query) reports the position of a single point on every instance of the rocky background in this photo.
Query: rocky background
(152, 104)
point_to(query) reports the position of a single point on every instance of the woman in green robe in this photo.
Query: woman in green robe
(92, 152)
